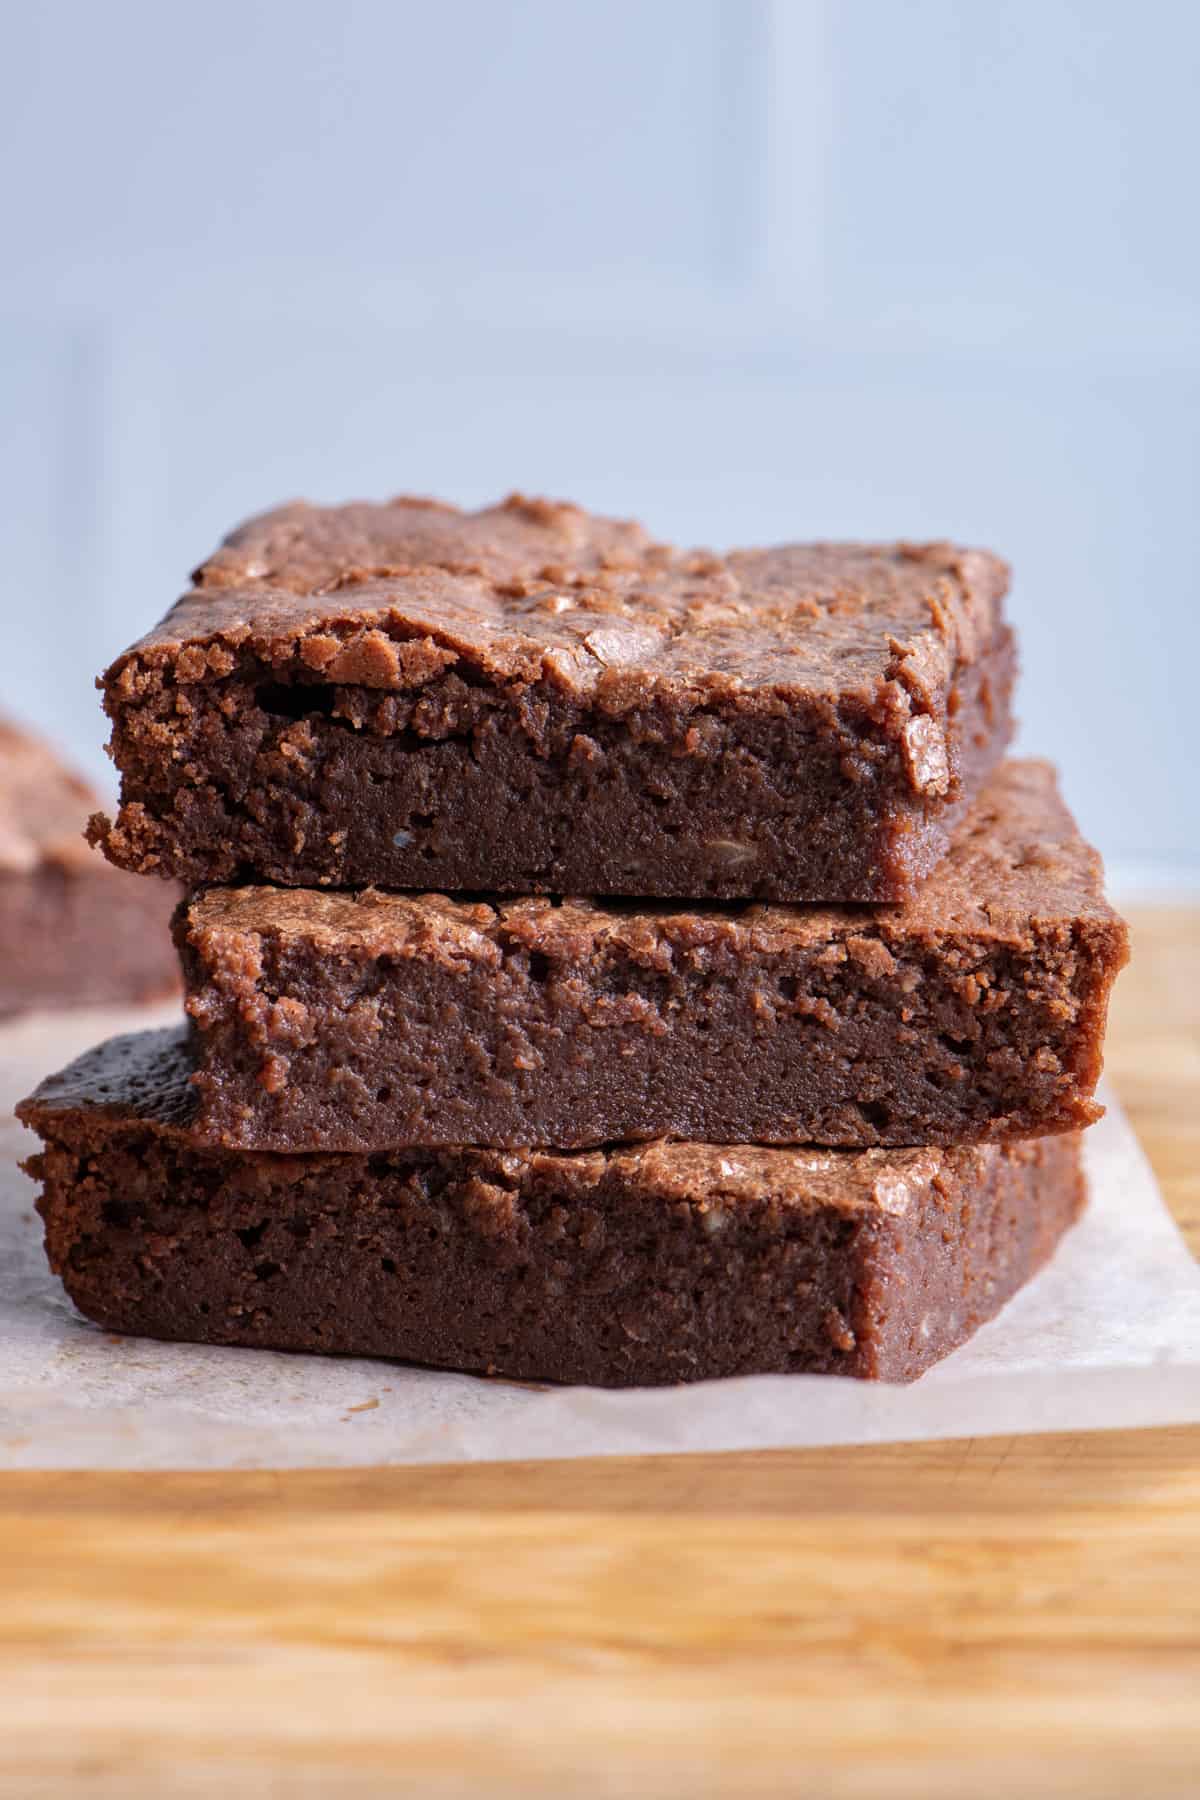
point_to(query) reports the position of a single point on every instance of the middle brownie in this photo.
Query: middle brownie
(337, 1021)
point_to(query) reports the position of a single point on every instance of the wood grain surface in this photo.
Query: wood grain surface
(987, 1617)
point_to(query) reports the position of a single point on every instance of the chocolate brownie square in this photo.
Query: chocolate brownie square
(530, 699)
(331, 1021)
(652, 1263)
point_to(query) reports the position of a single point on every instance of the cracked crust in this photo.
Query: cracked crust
(390, 596)
(664, 1262)
(678, 710)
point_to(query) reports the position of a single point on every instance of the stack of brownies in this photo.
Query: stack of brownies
(797, 1086)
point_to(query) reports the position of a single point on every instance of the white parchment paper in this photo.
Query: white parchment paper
(1108, 1335)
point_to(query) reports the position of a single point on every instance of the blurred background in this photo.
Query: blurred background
(748, 269)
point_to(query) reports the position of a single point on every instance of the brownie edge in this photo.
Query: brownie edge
(649, 1264)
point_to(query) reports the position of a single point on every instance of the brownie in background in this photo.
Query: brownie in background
(73, 930)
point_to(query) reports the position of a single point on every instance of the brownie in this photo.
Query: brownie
(328, 1021)
(529, 699)
(73, 930)
(653, 1263)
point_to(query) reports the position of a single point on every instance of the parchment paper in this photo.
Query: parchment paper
(1108, 1335)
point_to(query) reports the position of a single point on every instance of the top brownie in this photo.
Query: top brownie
(532, 699)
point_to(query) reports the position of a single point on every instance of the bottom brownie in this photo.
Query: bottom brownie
(656, 1263)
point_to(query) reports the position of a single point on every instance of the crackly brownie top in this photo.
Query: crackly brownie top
(1019, 863)
(141, 1080)
(43, 806)
(388, 596)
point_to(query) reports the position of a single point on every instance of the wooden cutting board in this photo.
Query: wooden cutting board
(993, 1616)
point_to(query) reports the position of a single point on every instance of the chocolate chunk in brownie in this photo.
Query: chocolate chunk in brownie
(529, 699)
(73, 930)
(653, 1263)
(362, 1021)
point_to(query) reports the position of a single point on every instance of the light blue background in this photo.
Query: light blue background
(750, 270)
